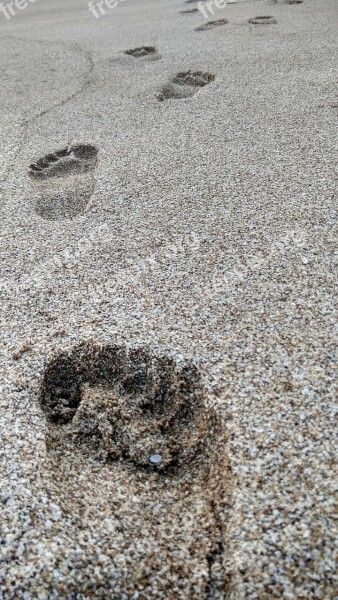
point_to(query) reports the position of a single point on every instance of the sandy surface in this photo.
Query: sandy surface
(168, 285)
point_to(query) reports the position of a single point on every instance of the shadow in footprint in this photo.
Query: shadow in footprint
(64, 181)
(211, 25)
(128, 406)
(184, 85)
(262, 20)
(144, 418)
(144, 52)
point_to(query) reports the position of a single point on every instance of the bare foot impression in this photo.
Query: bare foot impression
(185, 84)
(64, 181)
(189, 11)
(262, 20)
(145, 52)
(211, 25)
(132, 406)
(142, 419)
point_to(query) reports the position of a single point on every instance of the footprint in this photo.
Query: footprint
(64, 181)
(185, 84)
(262, 20)
(211, 25)
(129, 406)
(189, 11)
(145, 52)
(143, 421)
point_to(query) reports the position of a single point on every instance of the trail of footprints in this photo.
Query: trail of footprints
(160, 410)
(133, 407)
(64, 180)
(163, 413)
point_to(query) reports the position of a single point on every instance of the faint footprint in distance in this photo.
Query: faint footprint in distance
(189, 11)
(184, 85)
(212, 25)
(144, 52)
(64, 181)
(262, 20)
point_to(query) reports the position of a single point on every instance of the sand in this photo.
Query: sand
(167, 301)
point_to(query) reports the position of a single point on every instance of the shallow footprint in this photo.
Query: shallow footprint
(212, 25)
(139, 422)
(144, 52)
(64, 181)
(185, 84)
(262, 20)
(189, 11)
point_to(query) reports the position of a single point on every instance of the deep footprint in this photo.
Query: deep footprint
(138, 423)
(263, 20)
(212, 25)
(64, 181)
(128, 406)
(184, 85)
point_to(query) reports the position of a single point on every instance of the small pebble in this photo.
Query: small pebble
(155, 459)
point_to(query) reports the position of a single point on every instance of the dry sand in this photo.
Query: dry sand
(168, 283)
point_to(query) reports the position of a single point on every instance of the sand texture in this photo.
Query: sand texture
(168, 226)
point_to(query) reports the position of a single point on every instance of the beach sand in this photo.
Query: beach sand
(168, 232)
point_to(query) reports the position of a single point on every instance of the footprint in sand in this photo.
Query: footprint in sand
(64, 181)
(144, 52)
(262, 20)
(211, 25)
(129, 406)
(185, 84)
(143, 420)
(189, 11)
